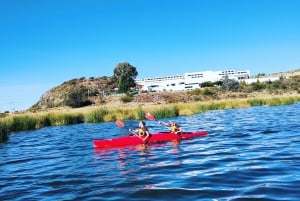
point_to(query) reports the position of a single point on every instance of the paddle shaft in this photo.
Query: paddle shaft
(149, 116)
(122, 125)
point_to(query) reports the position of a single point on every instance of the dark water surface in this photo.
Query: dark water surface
(251, 153)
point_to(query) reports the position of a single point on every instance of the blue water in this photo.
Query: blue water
(251, 153)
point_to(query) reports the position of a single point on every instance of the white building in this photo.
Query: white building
(189, 80)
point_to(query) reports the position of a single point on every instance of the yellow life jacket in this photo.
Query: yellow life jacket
(173, 129)
(141, 132)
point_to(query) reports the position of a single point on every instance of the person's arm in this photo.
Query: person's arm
(167, 125)
(147, 135)
(163, 123)
(133, 131)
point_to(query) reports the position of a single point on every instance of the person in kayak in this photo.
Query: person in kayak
(173, 127)
(142, 131)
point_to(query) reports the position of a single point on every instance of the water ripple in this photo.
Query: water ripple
(249, 154)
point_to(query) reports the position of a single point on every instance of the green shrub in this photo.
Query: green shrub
(196, 92)
(78, 98)
(257, 86)
(126, 98)
(231, 85)
(209, 92)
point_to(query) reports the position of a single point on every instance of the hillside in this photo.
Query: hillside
(286, 74)
(84, 90)
(101, 91)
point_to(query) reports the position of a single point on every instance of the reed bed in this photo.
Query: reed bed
(169, 110)
(3, 131)
(96, 116)
(20, 122)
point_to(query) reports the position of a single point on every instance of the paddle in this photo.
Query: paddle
(149, 116)
(121, 124)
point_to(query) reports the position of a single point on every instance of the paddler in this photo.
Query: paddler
(142, 131)
(173, 127)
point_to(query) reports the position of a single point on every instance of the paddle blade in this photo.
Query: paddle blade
(149, 116)
(120, 123)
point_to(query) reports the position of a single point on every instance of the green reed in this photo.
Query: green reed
(3, 131)
(96, 116)
(56, 119)
(20, 122)
(167, 111)
(256, 102)
(282, 101)
(30, 122)
(274, 101)
(210, 106)
(140, 113)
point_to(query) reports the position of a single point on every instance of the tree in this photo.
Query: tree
(230, 84)
(78, 98)
(256, 86)
(125, 75)
(260, 75)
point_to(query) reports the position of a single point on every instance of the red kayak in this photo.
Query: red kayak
(135, 140)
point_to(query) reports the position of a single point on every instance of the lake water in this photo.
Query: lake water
(251, 153)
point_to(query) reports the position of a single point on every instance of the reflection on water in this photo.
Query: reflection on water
(120, 157)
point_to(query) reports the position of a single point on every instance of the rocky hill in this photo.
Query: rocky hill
(101, 91)
(77, 93)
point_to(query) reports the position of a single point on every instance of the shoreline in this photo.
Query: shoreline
(113, 102)
(108, 113)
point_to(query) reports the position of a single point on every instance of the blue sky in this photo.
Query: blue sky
(47, 42)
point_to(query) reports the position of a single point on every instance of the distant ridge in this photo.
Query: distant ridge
(287, 73)
(85, 91)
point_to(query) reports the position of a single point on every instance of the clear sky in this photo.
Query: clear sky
(46, 42)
